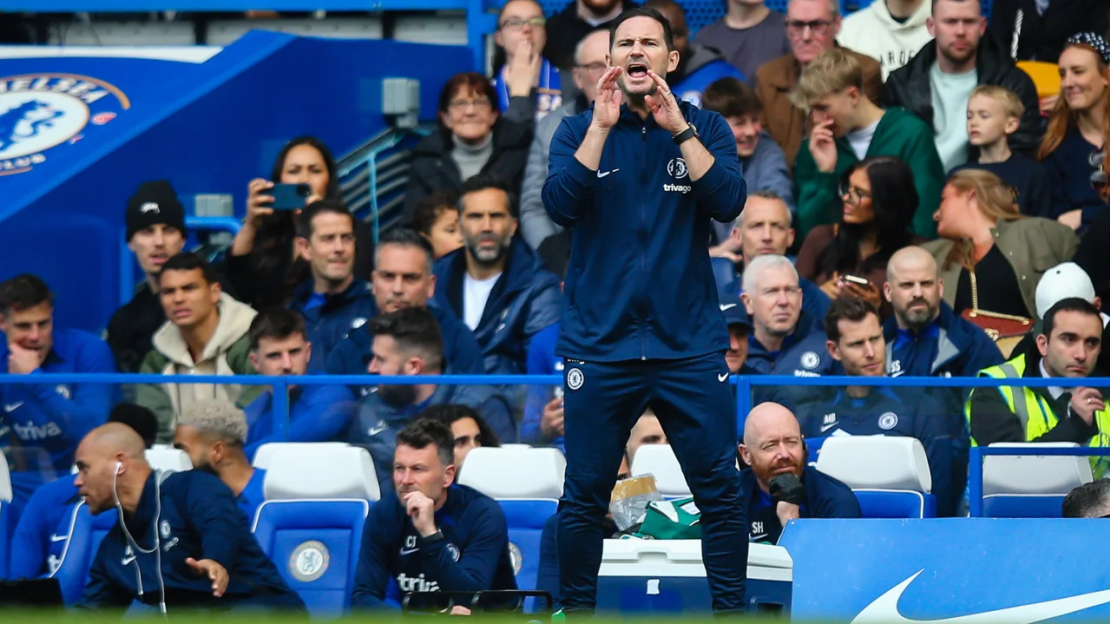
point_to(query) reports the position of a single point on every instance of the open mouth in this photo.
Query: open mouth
(637, 70)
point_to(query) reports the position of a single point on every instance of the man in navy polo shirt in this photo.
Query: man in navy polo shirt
(780, 486)
(433, 535)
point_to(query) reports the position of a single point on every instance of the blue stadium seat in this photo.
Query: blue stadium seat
(889, 475)
(7, 522)
(659, 460)
(86, 531)
(527, 483)
(1030, 486)
(317, 499)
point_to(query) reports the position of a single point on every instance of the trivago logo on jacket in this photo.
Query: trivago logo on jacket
(39, 112)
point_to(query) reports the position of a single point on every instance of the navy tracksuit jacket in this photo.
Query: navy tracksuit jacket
(642, 326)
(316, 414)
(199, 519)
(888, 411)
(762, 362)
(472, 556)
(331, 318)
(42, 534)
(808, 357)
(826, 497)
(541, 361)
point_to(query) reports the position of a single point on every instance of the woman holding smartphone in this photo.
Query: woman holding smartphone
(262, 265)
(850, 256)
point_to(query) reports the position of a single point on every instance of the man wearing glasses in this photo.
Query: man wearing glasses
(528, 85)
(812, 26)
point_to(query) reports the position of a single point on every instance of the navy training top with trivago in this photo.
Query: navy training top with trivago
(472, 556)
(639, 284)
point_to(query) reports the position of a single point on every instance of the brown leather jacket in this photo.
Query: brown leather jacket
(774, 80)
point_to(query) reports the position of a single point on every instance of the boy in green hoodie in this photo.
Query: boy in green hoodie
(848, 127)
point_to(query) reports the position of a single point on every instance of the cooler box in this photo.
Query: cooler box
(668, 576)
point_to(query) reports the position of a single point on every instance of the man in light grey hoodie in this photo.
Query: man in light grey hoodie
(589, 61)
(206, 334)
(889, 31)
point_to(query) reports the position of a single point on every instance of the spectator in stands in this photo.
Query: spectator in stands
(986, 238)
(450, 537)
(739, 331)
(543, 422)
(762, 162)
(1077, 129)
(214, 562)
(1031, 30)
(206, 334)
(317, 413)
(437, 220)
(937, 83)
(993, 113)
(698, 65)
(1068, 348)
(496, 284)
(1065, 281)
(780, 485)
(527, 84)
(573, 23)
(848, 127)
(812, 26)
(749, 35)
(408, 342)
(589, 64)
(875, 222)
(473, 138)
(213, 434)
(263, 265)
(403, 278)
(765, 227)
(333, 301)
(467, 426)
(856, 341)
(647, 430)
(889, 31)
(47, 420)
(1090, 500)
(155, 233)
(42, 535)
(774, 301)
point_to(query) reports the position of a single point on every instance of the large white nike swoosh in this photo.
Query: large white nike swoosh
(884, 610)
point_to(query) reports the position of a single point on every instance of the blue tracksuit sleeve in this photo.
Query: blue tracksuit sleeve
(540, 354)
(838, 504)
(475, 570)
(372, 574)
(100, 592)
(931, 428)
(499, 417)
(88, 404)
(722, 190)
(31, 540)
(544, 308)
(569, 183)
(215, 514)
(324, 418)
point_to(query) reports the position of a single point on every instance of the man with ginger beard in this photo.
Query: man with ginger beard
(780, 486)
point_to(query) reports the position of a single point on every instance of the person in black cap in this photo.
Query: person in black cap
(155, 233)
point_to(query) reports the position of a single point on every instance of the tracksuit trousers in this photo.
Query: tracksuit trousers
(694, 402)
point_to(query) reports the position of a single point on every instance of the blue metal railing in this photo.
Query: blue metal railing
(975, 466)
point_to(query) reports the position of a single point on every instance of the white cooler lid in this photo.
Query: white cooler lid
(633, 557)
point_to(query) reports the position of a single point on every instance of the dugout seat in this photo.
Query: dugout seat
(889, 475)
(263, 458)
(168, 459)
(1028, 486)
(527, 483)
(659, 460)
(86, 531)
(317, 499)
(7, 522)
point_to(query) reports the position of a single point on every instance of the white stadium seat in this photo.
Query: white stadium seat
(263, 457)
(889, 475)
(167, 458)
(5, 480)
(1028, 486)
(514, 472)
(321, 471)
(659, 461)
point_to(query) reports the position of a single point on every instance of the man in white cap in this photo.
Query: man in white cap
(1061, 282)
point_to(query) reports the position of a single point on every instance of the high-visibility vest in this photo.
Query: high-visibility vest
(1035, 413)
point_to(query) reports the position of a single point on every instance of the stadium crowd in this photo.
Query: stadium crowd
(914, 208)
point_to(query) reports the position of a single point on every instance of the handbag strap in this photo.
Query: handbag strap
(975, 311)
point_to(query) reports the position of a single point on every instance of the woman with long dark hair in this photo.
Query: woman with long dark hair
(879, 202)
(1074, 148)
(262, 264)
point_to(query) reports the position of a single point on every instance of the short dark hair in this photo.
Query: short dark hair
(190, 261)
(846, 308)
(1090, 500)
(429, 209)
(471, 81)
(414, 329)
(484, 181)
(403, 237)
(316, 208)
(139, 418)
(449, 413)
(276, 323)
(730, 97)
(1070, 304)
(424, 431)
(22, 292)
(668, 35)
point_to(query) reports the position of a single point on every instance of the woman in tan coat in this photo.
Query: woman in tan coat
(987, 248)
